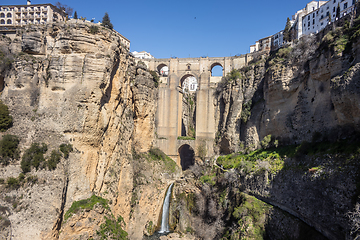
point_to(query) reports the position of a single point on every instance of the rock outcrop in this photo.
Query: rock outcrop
(76, 83)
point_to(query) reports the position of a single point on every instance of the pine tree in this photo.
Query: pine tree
(106, 21)
(287, 33)
(338, 11)
(75, 15)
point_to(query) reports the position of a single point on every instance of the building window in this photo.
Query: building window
(345, 6)
(2, 21)
(308, 24)
(353, 2)
(9, 21)
(327, 14)
(334, 9)
(309, 17)
(313, 21)
(8, 15)
(313, 15)
(2, 15)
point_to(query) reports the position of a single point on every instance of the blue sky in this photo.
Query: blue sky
(188, 28)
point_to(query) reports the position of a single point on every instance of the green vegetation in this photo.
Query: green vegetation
(53, 160)
(34, 156)
(106, 21)
(280, 56)
(189, 199)
(15, 183)
(5, 118)
(246, 111)
(113, 229)
(88, 203)
(265, 143)
(250, 213)
(75, 15)
(209, 179)
(275, 156)
(9, 148)
(185, 138)
(155, 154)
(66, 149)
(287, 33)
(156, 78)
(94, 29)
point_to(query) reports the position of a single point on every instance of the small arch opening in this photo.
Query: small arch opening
(9, 21)
(187, 156)
(217, 70)
(8, 15)
(2, 15)
(163, 70)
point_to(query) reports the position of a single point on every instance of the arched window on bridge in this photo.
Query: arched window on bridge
(9, 21)
(2, 21)
(2, 15)
(8, 15)
(187, 156)
(216, 70)
(163, 70)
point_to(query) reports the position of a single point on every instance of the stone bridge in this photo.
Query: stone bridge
(173, 72)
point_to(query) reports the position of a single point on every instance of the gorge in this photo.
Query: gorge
(269, 151)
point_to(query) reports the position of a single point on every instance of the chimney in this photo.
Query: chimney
(28, 2)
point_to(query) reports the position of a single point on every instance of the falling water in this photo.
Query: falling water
(165, 212)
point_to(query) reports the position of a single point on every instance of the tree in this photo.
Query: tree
(287, 33)
(338, 11)
(5, 118)
(106, 21)
(75, 15)
(64, 8)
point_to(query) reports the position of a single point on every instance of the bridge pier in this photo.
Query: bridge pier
(169, 110)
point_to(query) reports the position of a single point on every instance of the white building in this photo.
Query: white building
(317, 20)
(277, 40)
(142, 55)
(17, 15)
(311, 19)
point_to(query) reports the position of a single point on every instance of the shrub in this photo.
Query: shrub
(9, 148)
(88, 203)
(66, 149)
(33, 156)
(265, 143)
(53, 160)
(246, 111)
(5, 118)
(158, 155)
(155, 77)
(113, 229)
(13, 183)
(94, 29)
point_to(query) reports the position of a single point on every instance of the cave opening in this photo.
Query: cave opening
(187, 156)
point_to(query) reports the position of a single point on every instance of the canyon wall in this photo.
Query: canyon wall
(76, 83)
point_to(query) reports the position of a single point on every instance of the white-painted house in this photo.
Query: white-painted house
(142, 55)
(317, 20)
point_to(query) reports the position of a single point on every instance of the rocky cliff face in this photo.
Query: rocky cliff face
(294, 93)
(76, 83)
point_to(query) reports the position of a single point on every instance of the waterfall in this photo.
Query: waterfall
(165, 212)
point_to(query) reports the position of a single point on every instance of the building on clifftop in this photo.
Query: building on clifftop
(19, 15)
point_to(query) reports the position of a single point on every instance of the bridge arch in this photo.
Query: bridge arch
(163, 69)
(187, 156)
(217, 69)
(185, 76)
